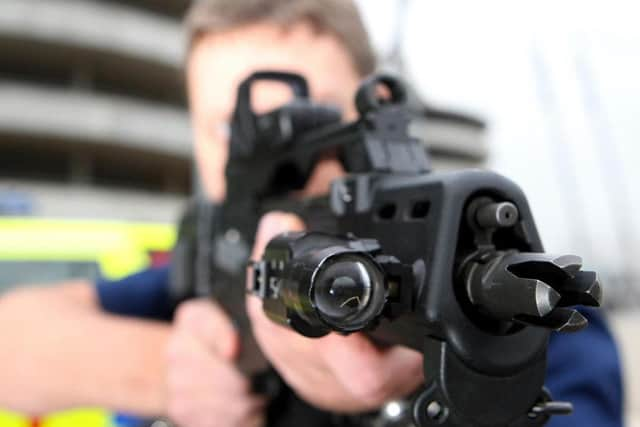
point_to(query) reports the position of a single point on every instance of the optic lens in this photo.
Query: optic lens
(344, 287)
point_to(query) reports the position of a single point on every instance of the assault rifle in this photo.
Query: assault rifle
(449, 264)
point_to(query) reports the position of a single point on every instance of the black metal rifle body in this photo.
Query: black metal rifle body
(456, 267)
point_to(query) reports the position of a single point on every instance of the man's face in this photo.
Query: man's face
(219, 62)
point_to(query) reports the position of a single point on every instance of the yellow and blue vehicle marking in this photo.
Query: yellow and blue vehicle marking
(55, 250)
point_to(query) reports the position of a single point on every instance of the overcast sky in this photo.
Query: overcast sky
(559, 83)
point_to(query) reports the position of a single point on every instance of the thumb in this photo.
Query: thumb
(271, 225)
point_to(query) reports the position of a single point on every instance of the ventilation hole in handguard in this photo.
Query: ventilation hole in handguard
(420, 209)
(387, 211)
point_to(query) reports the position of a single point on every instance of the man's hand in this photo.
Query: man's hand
(204, 388)
(337, 373)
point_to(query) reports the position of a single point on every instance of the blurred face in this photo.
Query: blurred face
(219, 62)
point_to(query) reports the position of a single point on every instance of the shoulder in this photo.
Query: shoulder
(584, 368)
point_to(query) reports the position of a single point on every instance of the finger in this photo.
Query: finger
(240, 411)
(286, 348)
(271, 225)
(257, 419)
(209, 324)
(407, 366)
(354, 361)
(254, 410)
(198, 373)
(235, 410)
(369, 372)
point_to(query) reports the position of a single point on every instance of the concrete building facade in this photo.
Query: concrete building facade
(93, 120)
(92, 103)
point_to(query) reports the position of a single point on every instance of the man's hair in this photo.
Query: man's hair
(339, 18)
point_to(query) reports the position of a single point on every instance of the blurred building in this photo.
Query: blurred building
(92, 110)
